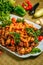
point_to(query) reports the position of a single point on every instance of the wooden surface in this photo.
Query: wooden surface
(9, 59)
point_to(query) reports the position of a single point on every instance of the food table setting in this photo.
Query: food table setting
(21, 39)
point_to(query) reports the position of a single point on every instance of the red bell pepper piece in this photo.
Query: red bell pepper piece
(27, 5)
(12, 42)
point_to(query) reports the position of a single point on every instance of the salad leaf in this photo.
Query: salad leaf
(6, 6)
(5, 19)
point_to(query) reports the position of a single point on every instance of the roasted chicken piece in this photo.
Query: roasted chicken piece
(8, 41)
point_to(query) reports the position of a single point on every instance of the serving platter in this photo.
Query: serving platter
(40, 46)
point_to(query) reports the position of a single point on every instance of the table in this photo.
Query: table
(9, 59)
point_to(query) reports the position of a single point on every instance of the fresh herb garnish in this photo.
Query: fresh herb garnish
(16, 37)
(31, 31)
(36, 40)
(35, 50)
(38, 32)
(20, 20)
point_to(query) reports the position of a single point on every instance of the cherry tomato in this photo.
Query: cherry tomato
(40, 38)
(13, 20)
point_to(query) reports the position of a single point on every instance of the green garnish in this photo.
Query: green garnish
(16, 37)
(36, 40)
(31, 31)
(35, 50)
(20, 20)
(38, 32)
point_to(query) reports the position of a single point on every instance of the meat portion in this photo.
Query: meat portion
(4, 36)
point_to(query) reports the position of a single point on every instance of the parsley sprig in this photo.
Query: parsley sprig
(16, 37)
(34, 33)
